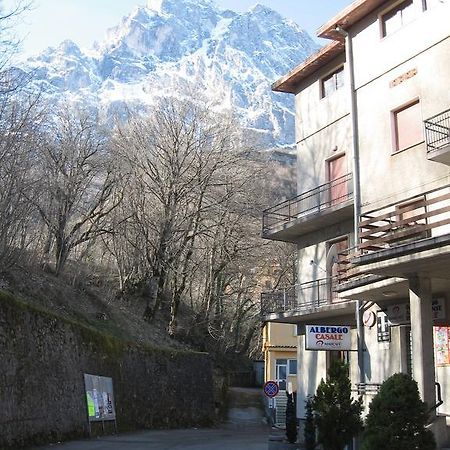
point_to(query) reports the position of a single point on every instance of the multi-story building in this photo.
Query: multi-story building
(371, 220)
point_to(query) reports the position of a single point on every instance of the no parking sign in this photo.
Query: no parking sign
(271, 388)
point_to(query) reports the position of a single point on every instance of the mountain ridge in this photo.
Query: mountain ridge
(176, 47)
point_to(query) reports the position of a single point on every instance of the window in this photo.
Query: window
(407, 126)
(292, 367)
(412, 211)
(332, 82)
(397, 17)
(429, 4)
(411, 223)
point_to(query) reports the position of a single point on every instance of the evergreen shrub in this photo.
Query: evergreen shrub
(310, 427)
(397, 418)
(291, 419)
(336, 414)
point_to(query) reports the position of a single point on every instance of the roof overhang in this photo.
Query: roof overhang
(348, 17)
(289, 82)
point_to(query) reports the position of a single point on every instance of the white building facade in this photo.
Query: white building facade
(371, 220)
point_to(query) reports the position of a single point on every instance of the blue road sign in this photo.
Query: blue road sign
(271, 388)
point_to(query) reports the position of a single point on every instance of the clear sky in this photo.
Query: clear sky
(84, 21)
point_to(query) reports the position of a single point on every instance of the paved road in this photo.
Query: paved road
(251, 438)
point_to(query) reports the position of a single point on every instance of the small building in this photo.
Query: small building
(371, 221)
(280, 356)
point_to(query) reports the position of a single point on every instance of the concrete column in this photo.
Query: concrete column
(422, 338)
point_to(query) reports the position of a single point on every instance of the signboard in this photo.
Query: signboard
(369, 319)
(399, 314)
(99, 398)
(271, 389)
(442, 346)
(327, 337)
(438, 308)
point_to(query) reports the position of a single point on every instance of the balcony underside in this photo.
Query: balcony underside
(441, 155)
(437, 134)
(302, 225)
(332, 313)
(428, 258)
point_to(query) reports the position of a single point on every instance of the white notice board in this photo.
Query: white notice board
(99, 398)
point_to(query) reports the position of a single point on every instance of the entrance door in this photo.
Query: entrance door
(339, 355)
(281, 373)
(337, 169)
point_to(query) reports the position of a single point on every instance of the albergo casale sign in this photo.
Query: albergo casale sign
(329, 337)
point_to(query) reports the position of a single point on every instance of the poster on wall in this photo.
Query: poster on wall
(99, 398)
(442, 346)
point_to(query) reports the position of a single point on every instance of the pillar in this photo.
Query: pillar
(422, 338)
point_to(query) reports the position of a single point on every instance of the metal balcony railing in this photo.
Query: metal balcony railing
(299, 297)
(437, 131)
(313, 201)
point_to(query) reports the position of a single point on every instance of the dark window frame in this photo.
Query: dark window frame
(399, 8)
(395, 129)
(337, 79)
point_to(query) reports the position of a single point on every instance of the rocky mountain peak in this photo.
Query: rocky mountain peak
(175, 47)
(178, 6)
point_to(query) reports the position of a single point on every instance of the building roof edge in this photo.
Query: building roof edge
(289, 82)
(347, 17)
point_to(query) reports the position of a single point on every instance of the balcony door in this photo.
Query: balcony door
(335, 268)
(336, 170)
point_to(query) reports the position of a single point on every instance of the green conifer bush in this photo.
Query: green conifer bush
(310, 428)
(291, 419)
(397, 418)
(336, 414)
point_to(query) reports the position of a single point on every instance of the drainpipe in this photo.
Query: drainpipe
(356, 185)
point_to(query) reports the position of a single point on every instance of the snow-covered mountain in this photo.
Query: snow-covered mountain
(186, 48)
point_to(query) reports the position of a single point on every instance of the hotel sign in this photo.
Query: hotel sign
(327, 337)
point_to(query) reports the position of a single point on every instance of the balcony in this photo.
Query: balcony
(405, 239)
(310, 301)
(354, 282)
(437, 137)
(325, 205)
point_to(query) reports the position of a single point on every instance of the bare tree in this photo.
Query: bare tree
(11, 79)
(75, 175)
(20, 118)
(183, 163)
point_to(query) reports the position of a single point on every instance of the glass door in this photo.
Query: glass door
(281, 373)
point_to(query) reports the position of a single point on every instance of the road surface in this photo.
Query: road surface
(225, 438)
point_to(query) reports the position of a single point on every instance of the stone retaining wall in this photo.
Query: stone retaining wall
(42, 362)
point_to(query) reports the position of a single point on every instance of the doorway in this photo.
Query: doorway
(336, 170)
